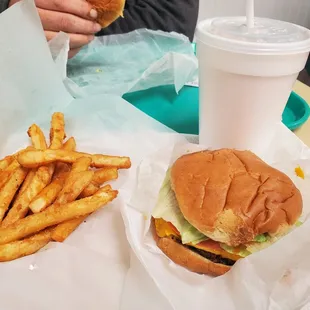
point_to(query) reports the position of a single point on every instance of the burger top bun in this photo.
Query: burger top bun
(108, 10)
(233, 196)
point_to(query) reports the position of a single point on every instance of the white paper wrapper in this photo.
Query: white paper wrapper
(275, 278)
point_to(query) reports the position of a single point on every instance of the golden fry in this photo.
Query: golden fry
(28, 246)
(48, 195)
(61, 169)
(63, 230)
(89, 190)
(37, 137)
(5, 162)
(35, 158)
(57, 132)
(102, 190)
(74, 185)
(20, 206)
(9, 190)
(101, 176)
(69, 145)
(81, 164)
(54, 215)
(105, 174)
(26, 182)
(6, 173)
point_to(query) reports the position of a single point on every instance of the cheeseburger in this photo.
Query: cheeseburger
(108, 10)
(216, 207)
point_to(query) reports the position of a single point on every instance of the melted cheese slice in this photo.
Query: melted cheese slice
(166, 229)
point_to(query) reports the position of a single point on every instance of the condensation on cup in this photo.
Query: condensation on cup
(246, 77)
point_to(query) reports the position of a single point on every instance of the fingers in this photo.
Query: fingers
(12, 2)
(79, 8)
(58, 21)
(76, 40)
(73, 52)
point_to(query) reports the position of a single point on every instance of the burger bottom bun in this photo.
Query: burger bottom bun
(186, 258)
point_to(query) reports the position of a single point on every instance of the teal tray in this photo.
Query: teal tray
(296, 112)
(180, 112)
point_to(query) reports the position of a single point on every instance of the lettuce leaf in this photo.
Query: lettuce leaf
(243, 252)
(262, 238)
(167, 208)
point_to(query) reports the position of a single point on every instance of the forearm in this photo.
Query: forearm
(173, 15)
(4, 4)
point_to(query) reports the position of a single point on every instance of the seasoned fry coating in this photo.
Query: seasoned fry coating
(9, 190)
(28, 246)
(37, 137)
(48, 195)
(20, 206)
(74, 185)
(54, 215)
(35, 158)
(57, 132)
(62, 231)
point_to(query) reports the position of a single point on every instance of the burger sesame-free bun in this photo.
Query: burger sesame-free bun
(186, 258)
(232, 196)
(108, 10)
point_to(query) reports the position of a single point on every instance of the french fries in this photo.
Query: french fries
(62, 231)
(82, 164)
(26, 182)
(54, 215)
(57, 132)
(48, 195)
(60, 168)
(77, 180)
(28, 246)
(5, 162)
(101, 176)
(105, 174)
(47, 192)
(20, 206)
(6, 173)
(74, 186)
(69, 145)
(37, 137)
(89, 190)
(9, 190)
(35, 158)
(35, 181)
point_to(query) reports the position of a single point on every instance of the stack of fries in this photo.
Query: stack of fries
(47, 192)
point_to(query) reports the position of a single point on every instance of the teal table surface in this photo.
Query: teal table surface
(180, 111)
(177, 111)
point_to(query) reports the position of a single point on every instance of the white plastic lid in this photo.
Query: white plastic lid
(268, 36)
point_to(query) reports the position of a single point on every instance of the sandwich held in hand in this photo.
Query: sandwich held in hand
(108, 10)
(47, 193)
(216, 207)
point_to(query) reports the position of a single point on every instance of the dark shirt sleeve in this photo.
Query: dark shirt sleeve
(3, 5)
(167, 15)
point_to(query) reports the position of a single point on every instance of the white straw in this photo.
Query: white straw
(250, 13)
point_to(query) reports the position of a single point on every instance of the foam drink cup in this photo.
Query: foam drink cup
(246, 76)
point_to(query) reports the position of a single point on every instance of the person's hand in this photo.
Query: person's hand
(75, 17)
